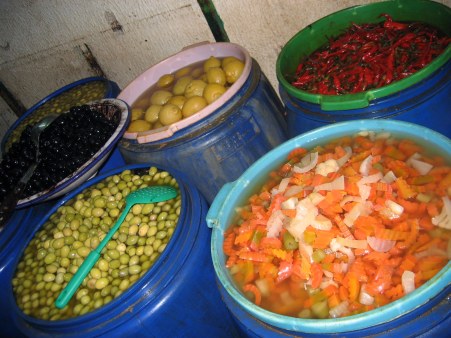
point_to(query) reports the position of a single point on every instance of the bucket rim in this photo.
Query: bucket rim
(185, 57)
(361, 99)
(221, 213)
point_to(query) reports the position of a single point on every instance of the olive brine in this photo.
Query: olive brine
(64, 146)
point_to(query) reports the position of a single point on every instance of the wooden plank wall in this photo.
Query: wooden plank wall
(44, 44)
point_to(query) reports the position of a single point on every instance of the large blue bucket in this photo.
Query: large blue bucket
(422, 98)
(424, 312)
(219, 147)
(177, 297)
(17, 232)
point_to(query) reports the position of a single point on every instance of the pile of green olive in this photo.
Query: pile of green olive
(184, 93)
(78, 95)
(57, 250)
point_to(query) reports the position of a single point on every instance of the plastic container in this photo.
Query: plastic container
(218, 143)
(176, 297)
(75, 93)
(424, 311)
(15, 234)
(421, 98)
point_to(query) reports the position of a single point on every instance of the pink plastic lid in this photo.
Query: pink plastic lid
(188, 56)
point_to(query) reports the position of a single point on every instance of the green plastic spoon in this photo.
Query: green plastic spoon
(151, 194)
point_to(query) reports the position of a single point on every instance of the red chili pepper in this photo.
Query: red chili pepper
(369, 56)
(389, 23)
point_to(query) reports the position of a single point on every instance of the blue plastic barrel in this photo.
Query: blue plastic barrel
(422, 98)
(425, 103)
(219, 147)
(16, 234)
(425, 312)
(177, 297)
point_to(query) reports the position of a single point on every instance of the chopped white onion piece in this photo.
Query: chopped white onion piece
(337, 184)
(364, 297)
(283, 185)
(395, 207)
(365, 166)
(389, 177)
(289, 203)
(350, 198)
(262, 285)
(308, 162)
(359, 209)
(443, 219)
(336, 246)
(370, 179)
(365, 190)
(342, 160)
(339, 310)
(296, 227)
(321, 223)
(384, 135)
(408, 281)
(293, 190)
(315, 198)
(380, 245)
(327, 167)
(422, 167)
(275, 224)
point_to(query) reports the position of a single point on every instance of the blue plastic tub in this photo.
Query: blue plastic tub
(73, 94)
(427, 310)
(219, 147)
(15, 235)
(422, 98)
(177, 297)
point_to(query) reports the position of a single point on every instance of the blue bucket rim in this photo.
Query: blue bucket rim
(223, 208)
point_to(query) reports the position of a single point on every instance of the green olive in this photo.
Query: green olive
(213, 91)
(228, 59)
(195, 88)
(165, 80)
(211, 62)
(152, 113)
(138, 125)
(136, 114)
(182, 72)
(178, 100)
(169, 114)
(180, 85)
(216, 75)
(233, 70)
(193, 105)
(160, 97)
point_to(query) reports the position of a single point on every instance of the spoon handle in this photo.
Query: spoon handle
(84, 269)
(65, 295)
(9, 203)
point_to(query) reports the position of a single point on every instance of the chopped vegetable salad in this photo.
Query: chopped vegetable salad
(343, 228)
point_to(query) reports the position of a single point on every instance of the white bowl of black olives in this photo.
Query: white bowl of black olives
(72, 149)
